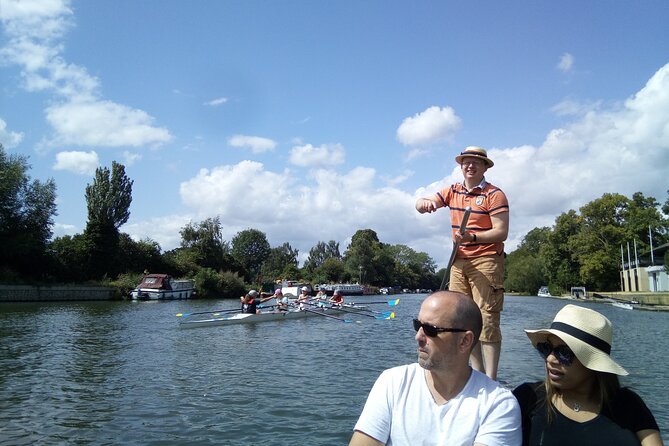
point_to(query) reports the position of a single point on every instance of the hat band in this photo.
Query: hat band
(473, 154)
(581, 335)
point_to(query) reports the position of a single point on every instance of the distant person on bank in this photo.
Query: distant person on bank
(478, 269)
(581, 401)
(440, 400)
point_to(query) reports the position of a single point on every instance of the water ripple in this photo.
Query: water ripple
(124, 373)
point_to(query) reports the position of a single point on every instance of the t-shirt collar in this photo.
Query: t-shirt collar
(481, 185)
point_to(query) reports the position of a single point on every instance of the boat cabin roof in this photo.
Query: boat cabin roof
(156, 281)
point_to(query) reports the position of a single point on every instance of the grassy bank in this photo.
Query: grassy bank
(660, 298)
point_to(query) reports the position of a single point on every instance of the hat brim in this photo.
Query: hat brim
(591, 357)
(488, 161)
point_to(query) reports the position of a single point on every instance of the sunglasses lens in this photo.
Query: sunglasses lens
(563, 353)
(429, 330)
(544, 349)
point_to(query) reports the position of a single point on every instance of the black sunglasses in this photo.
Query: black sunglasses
(562, 352)
(432, 331)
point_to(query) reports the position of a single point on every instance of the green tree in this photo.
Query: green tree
(137, 257)
(108, 201)
(70, 255)
(560, 265)
(205, 247)
(412, 269)
(523, 273)
(277, 260)
(26, 211)
(320, 253)
(535, 240)
(596, 246)
(359, 256)
(331, 271)
(250, 248)
(644, 220)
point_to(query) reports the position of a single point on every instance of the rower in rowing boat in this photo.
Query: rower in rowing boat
(337, 298)
(281, 300)
(251, 301)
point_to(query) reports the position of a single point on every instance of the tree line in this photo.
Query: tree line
(587, 248)
(580, 249)
(104, 254)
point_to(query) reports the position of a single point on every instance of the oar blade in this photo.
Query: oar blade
(392, 303)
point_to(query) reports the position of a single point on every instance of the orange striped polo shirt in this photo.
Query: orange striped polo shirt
(485, 200)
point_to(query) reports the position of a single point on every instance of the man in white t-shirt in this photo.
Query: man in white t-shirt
(440, 400)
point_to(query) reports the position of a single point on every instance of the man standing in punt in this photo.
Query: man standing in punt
(478, 269)
(440, 399)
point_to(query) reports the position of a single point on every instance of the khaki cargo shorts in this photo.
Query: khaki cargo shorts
(483, 279)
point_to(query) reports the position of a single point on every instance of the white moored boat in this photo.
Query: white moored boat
(293, 288)
(162, 287)
(623, 305)
(346, 289)
(543, 292)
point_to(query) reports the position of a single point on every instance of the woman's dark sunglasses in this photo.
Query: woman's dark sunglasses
(432, 331)
(563, 353)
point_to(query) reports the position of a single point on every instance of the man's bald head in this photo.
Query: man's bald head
(455, 309)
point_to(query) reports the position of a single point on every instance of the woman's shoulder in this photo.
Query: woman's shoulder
(530, 393)
(627, 397)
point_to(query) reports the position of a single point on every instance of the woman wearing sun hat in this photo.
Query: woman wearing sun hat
(581, 402)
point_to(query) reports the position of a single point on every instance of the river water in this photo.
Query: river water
(109, 373)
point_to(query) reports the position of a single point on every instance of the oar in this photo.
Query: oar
(389, 302)
(215, 312)
(386, 315)
(348, 321)
(463, 224)
(207, 312)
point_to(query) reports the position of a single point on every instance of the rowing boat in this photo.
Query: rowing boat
(250, 318)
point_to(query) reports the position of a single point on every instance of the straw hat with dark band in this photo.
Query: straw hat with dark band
(475, 152)
(587, 333)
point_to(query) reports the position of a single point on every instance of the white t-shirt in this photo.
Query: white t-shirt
(400, 410)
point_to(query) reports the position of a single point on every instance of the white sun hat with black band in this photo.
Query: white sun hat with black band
(587, 333)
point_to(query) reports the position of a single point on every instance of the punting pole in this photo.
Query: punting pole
(463, 224)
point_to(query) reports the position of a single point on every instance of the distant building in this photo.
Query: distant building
(646, 272)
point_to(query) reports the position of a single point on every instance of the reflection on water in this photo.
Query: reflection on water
(125, 373)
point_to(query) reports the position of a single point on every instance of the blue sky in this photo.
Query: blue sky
(310, 120)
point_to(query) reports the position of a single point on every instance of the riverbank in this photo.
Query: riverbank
(56, 293)
(640, 300)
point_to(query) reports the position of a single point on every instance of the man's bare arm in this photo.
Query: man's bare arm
(362, 439)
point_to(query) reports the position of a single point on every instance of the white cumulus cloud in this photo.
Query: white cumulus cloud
(256, 144)
(431, 126)
(8, 138)
(103, 124)
(324, 156)
(83, 163)
(77, 114)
